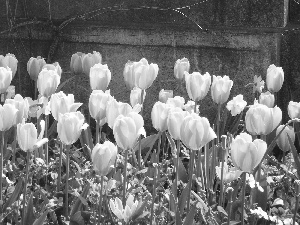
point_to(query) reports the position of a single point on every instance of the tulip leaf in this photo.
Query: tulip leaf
(139, 211)
(146, 143)
(86, 142)
(77, 219)
(41, 219)
(15, 195)
(172, 197)
(76, 207)
(29, 216)
(178, 217)
(189, 220)
(53, 128)
(64, 83)
(295, 155)
(183, 198)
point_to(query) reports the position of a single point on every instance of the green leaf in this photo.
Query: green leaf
(86, 142)
(189, 220)
(64, 83)
(29, 216)
(222, 210)
(15, 195)
(139, 211)
(76, 219)
(41, 219)
(183, 198)
(147, 144)
(80, 200)
(178, 217)
(295, 155)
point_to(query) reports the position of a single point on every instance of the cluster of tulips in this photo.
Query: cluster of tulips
(171, 116)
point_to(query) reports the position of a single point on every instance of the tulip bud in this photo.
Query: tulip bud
(159, 116)
(261, 120)
(245, 154)
(136, 96)
(10, 61)
(195, 131)
(90, 60)
(21, 105)
(275, 78)
(103, 157)
(294, 110)
(267, 99)
(236, 105)
(174, 122)
(34, 67)
(128, 74)
(27, 136)
(97, 104)
(283, 141)
(55, 66)
(69, 127)
(181, 66)
(8, 113)
(77, 63)
(177, 101)
(5, 79)
(60, 103)
(164, 95)
(100, 77)
(127, 129)
(114, 109)
(47, 82)
(197, 85)
(144, 73)
(220, 89)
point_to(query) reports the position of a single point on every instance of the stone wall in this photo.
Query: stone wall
(240, 39)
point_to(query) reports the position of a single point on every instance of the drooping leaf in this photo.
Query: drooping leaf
(15, 195)
(222, 210)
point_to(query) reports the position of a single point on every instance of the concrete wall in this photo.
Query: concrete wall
(242, 39)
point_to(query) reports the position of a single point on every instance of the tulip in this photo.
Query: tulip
(8, 114)
(261, 120)
(77, 63)
(5, 78)
(177, 101)
(159, 116)
(90, 60)
(236, 105)
(114, 109)
(164, 95)
(128, 74)
(21, 105)
(283, 141)
(60, 103)
(27, 136)
(220, 89)
(97, 104)
(100, 77)
(174, 122)
(190, 107)
(228, 174)
(181, 66)
(55, 66)
(275, 78)
(34, 67)
(69, 127)
(47, 82)
(116, 207)
(294, 110)
(103, 157)
(136, 96)
(144, 73)
(127, 129)
(267, 99)
(10, 92)
(197, 85)
(247, 154)
(195, 131)
(9, 61)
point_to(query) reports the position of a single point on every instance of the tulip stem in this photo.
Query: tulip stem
(125, 176)
(200, 170)
(191, 169)
(101, 197)
(98, 133)
(25, 188)
(140, 137)
(46, 148)
(67, 183)
(35, 90)
(218, 123)
(229, 204)
(1, 165)
(177, 169)
(59, 166)
(243, 197)
(14, 145)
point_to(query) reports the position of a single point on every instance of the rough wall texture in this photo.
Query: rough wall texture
(243, 39)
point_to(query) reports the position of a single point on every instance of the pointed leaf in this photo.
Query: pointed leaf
(15, 195)
(64, 83)
(29, 216)
(183, 198)
(178, 217)
(76, 219)
(222, 210)
(41, 219)
(189, 220)
(86, 142)
(295, 155)
(139, 211)
(76, 207)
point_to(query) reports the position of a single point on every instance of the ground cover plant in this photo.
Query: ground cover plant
(55, 169)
